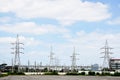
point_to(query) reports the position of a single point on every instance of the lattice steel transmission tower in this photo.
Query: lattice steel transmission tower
(74, 59)
(16, 51)
(106, 56)
(51, 57)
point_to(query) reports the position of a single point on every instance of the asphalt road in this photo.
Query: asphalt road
(60, 78)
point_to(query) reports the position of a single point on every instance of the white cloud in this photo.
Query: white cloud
(66, 12)
(31, 28)
(28, 41)
(5, 48)
(87, 45)
(115, 21)
(94, 38)
(6, 39)
(5, 19)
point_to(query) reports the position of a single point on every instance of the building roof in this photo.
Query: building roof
(114, 59)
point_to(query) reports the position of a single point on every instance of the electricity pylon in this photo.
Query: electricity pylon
(51, 57)
(16, 51)
(106, 56)
(74, 59)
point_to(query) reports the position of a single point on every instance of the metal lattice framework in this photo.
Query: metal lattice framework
(16, 51)
(74, 59)
(51, 57)
(106, 56)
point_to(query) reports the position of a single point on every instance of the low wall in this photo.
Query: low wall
(42, 73)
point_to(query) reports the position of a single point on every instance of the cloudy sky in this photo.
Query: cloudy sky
(62, 24)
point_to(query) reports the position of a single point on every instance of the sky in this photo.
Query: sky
(62, 24)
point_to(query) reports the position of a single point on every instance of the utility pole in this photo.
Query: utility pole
(74, 59)
(106, 56)
(16, 51)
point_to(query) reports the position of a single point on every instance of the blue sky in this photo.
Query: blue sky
(85, 24)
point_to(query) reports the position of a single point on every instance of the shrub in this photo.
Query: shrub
(51, 73)
(82, 73)
(72, 73)
(45, 70)
(105, 74)
(19, 73)
(116, 74)
(55, 73)
(91, 73)
(48, 73)
(3, 75)
(97, 73)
